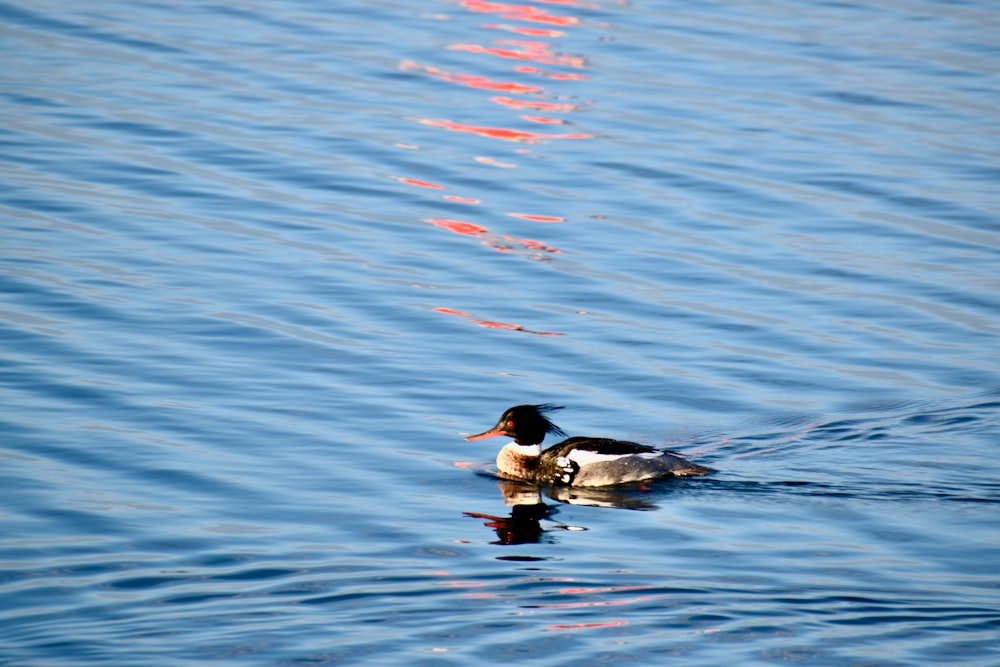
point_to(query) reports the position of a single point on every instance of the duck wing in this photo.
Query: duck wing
(606, 446)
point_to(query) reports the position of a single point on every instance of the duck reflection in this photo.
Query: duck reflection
(524, 525)
(529, 510)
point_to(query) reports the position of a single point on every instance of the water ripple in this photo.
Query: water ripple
(263, 266)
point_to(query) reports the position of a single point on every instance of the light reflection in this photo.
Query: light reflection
(492, 324)
(500, 242)
(503, 133)
(537, 218)
(584, 626)
(459, 226)
(533, 104)
(527, 32)
(519, 12)
(420, 184)
(544, 120)
(495, 163)
(536, 51)
(471, 80)
(530, 47)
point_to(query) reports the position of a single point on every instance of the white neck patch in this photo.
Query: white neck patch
(524, 450)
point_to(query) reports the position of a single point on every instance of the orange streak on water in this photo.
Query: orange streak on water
(497, 325)
(459, 226)
(420, 184)
(600, 589)
(463, 584)
(585, 626)
(484, 83)
(594, 603)
(533, 46)
(471, 80)
(495, 7)
(536, 245)
(545, 18)
(452, 311)
(501, 53)
(518, 12)
(532, 245)
(462, 200)
(495, 241)
(544, 120)
(529, 32)
(491, 324)
(504, 133)
(533, 104)
(533, 51)
(495, 163)
(537, 218)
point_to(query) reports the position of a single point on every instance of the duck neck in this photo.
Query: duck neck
(519, 460)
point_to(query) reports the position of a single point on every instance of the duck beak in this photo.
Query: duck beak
(495, 431)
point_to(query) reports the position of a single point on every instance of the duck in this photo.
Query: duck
(577, 461)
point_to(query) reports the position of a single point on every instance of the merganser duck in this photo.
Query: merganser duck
(576, 461)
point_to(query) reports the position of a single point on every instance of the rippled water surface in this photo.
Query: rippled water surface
(264, 264)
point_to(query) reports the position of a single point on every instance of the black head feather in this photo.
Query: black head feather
(543, 410)
(527, 424)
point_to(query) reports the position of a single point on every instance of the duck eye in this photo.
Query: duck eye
(510, 423)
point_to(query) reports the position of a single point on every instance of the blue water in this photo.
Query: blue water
(263, 265)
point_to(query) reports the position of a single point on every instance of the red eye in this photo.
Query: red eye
(510, 424)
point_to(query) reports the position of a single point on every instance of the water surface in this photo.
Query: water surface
(263, 266)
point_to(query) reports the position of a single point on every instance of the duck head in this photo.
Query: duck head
(527, 424)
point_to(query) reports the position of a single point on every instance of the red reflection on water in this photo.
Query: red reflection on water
(532, 245)
(593, 603)
(503, 133)
(584, 626)
(459, 226)
(495, 163)
(533, 104)
(544, 120)
(452, 311)
(536, 51)
(518, 12)
(537, 218)
(530, 46)
(499, 242)
(601, 589)
(528, 32)
(491, 324)
(462, 200)
(527, 69)
(472, 80)
(462, 584)
(421, 184)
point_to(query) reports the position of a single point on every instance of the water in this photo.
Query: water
(265, 264)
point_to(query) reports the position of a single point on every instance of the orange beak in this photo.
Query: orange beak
(495, 431)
